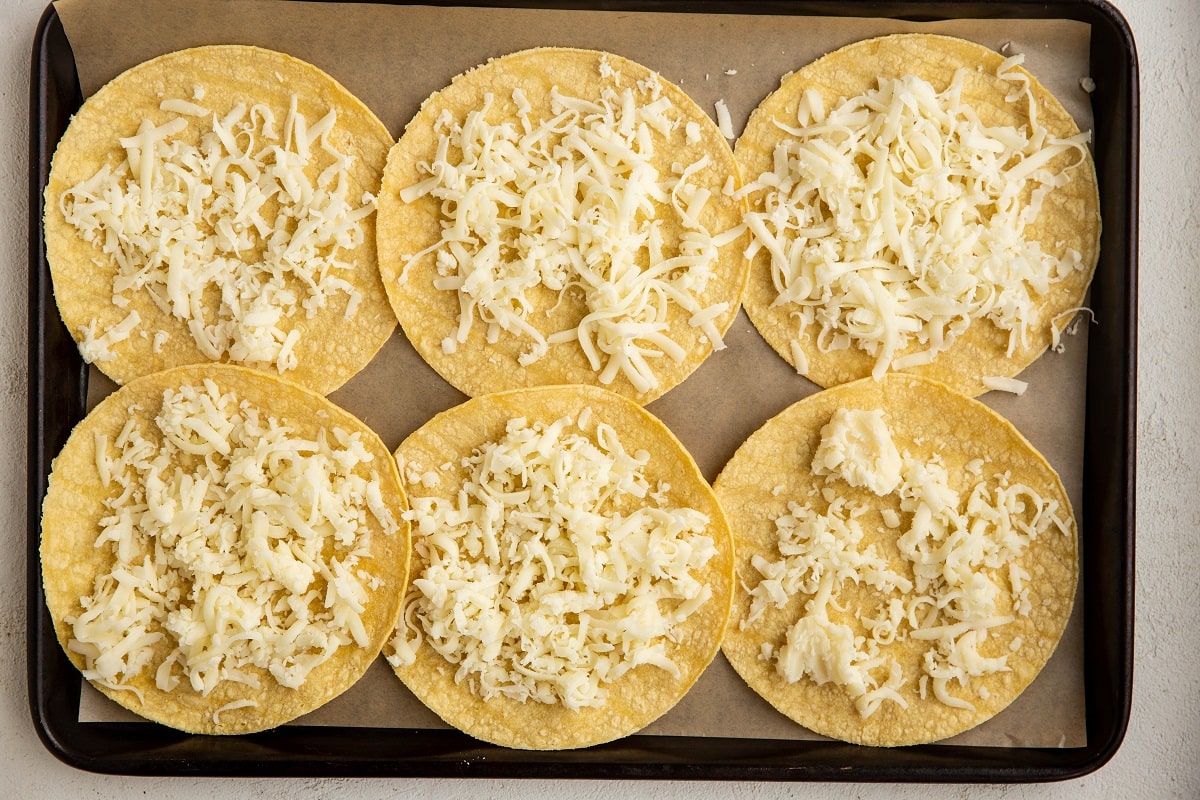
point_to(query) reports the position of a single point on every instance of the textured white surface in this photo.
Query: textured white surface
(1160, 757)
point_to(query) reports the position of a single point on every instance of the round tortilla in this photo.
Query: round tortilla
(644, 693)
(71, 562)
(428, 315)
(1069, 218)
(925, 418)
(332, 346)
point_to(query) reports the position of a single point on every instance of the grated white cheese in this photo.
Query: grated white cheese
(1004, 384)
(235, 546)
(555, 570)
(571, 203)
(896, 219)
(819, 551)
(958, 551)
(857, 447)
(231, 706)
(724, 122)
(799, 358)
(1072, 324)
(98, 349)
(160, 338)
(230, 235)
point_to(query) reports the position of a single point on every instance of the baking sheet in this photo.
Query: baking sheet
(395, 56)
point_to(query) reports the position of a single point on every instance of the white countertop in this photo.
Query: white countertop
(1160, 756)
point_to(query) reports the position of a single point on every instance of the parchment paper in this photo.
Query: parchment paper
(393, 57)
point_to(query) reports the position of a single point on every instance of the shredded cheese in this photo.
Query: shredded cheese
(555, 570)
(230, 235)
(572, 202)
(98, 348)
(1057, 328)
(958, 551)
(857, 447)
(233, 705)
(897, 218)
(1004, 384)
(724, 123)
(235, 545)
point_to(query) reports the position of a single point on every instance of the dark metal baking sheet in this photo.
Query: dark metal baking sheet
(57, 400)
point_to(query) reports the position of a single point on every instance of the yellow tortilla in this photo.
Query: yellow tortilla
(1069, 217)
(774, 466)
(333, 344)
(72, 559)
(429, 315)
(431, 462)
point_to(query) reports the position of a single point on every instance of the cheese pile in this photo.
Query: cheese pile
(231, 236)
(956, 580)
(897, 218)
(236, 547)
(556, 569)
(576, 202)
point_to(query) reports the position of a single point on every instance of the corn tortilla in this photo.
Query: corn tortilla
(333, 344)
(1069, 218)
(71, 560)
(429, 315)
(639, 696)
(926, 418)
